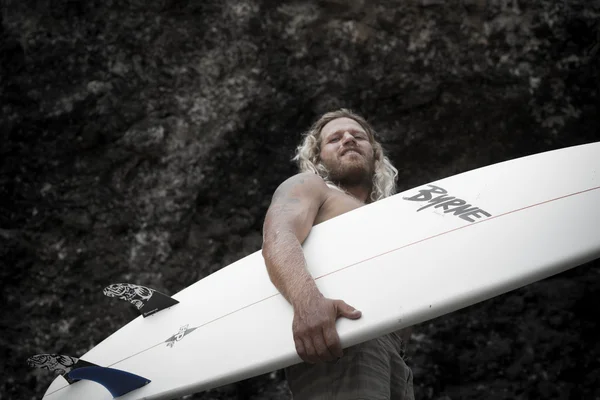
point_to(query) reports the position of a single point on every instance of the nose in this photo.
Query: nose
(347, 136)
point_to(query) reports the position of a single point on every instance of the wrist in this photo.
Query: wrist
(305, 297)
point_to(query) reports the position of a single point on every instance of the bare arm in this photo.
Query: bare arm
(289, 219)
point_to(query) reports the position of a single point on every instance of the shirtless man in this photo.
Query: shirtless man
(342, 168)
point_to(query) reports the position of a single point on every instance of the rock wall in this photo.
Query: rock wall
(142, 140)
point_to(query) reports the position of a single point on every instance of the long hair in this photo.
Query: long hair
(308, 155)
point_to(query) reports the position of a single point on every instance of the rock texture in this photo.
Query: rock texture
(141, 141)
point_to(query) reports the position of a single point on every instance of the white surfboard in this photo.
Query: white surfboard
(403, 260)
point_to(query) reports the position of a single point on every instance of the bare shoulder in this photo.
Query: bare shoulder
(295, 206)
(304, 185)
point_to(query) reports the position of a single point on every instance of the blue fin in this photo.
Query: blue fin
(116, 381)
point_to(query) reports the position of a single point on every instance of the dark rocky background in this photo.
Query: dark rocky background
(141, 141)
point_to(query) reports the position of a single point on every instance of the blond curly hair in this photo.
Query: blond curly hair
(308, 155)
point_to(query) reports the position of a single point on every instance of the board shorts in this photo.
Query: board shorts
(374, 370)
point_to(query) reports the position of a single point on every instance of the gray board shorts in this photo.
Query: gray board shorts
(373, 370)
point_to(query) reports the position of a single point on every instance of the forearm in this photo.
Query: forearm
(287, 270)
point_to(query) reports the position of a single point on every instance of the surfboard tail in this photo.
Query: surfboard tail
(73, 369)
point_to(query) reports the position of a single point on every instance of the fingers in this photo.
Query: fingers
(315, 334)
(321, 347)
(318, 347)
(301, 350)
(307, 351)
(345, 310)
(332, 341)
(314, 349)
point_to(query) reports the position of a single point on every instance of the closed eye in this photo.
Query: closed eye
(356, 134)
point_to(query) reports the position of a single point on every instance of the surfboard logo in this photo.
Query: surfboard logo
(448, 204)
(183, 331)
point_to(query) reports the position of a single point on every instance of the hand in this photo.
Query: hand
(315, 335)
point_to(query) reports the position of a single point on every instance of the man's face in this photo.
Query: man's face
(346, 152)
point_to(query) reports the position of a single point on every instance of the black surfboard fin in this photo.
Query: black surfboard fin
(59, 363)
(147, 301)
(117, 382)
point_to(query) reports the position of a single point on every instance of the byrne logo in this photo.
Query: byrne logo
(436, 197)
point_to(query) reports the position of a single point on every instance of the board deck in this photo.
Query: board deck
(401, 261)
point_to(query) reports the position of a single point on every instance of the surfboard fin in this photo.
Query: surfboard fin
(59, 363)
(116, 381)
(147, 301)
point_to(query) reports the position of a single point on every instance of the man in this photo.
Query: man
(342, 168)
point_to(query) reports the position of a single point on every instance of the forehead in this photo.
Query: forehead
(340, 124)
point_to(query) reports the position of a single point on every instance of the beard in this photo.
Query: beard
(350, 171)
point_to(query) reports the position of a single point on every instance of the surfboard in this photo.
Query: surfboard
(403, 260)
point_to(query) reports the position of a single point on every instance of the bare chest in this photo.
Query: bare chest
(336, 203)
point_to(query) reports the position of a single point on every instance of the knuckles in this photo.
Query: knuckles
(311, 330)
